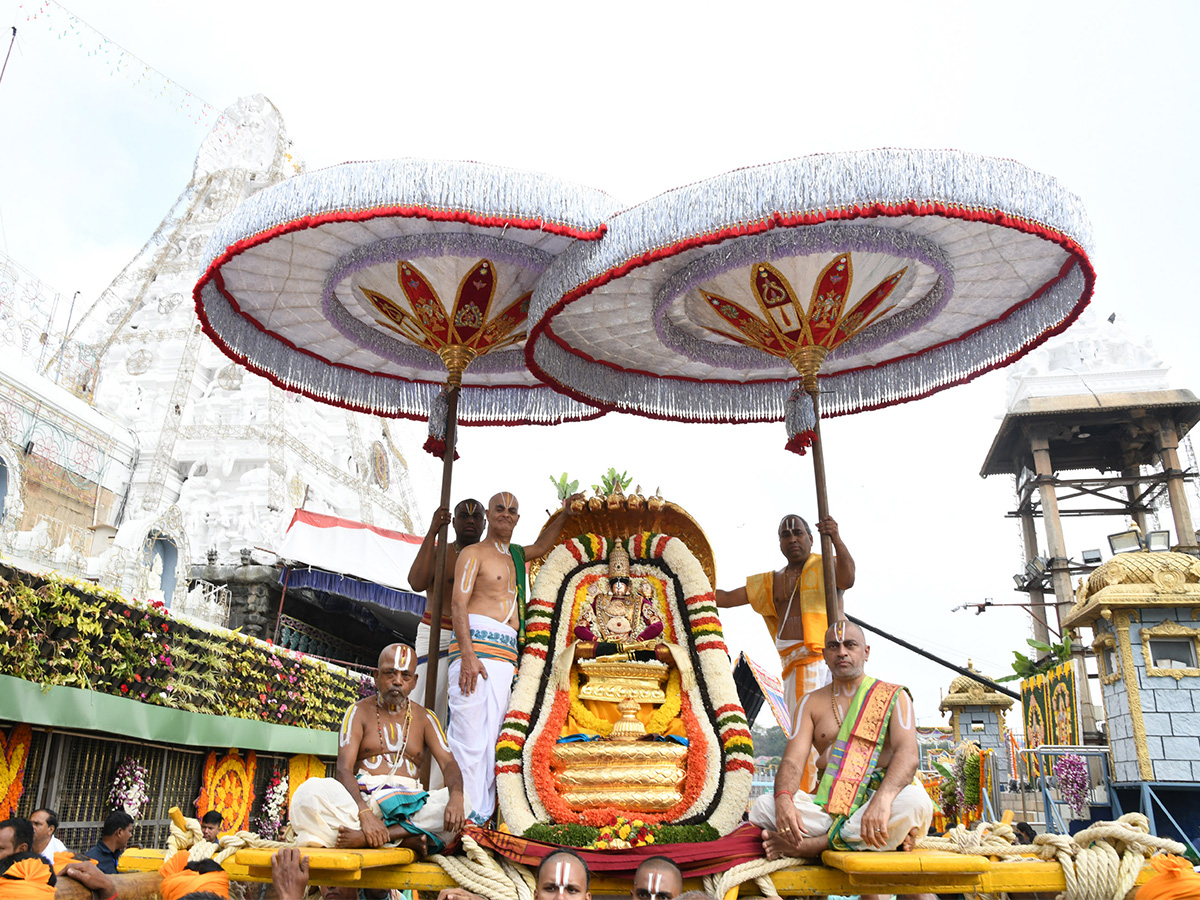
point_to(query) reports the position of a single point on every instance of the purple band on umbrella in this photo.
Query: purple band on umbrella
(391, 250)
(739, 252)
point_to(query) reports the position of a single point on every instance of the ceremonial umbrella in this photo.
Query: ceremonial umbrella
(387, 287)
(879, 277)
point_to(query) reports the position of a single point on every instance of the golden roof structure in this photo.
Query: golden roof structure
(1136, 580)
(966, 691)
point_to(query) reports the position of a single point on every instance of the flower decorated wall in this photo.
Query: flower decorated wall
(65, 632)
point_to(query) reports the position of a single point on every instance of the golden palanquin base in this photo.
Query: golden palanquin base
(933, 871)
(646, 775)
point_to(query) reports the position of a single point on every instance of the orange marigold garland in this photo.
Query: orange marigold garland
(228, 788)
(302, 767)
(12, 768)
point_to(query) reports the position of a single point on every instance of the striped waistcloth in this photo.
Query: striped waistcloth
(488, 645)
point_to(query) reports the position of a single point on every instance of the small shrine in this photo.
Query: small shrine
(976, 712)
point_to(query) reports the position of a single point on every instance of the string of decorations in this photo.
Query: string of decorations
(65, 25)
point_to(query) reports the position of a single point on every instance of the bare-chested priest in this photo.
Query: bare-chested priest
(468, 529)
(376, 798)
(797, 591)
(488, 608)
(865, 733)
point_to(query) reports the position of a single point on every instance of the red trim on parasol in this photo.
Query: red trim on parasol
(543, 327)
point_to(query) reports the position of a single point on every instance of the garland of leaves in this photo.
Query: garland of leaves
(587, 836)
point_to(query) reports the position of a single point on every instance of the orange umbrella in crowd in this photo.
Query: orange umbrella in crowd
(399, 288)
(874, 278)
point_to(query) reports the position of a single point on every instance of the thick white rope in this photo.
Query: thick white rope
(989, 839)
(1103, 862)
(756, 870)
(481, 874)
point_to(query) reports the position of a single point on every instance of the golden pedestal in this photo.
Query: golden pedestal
(635, 775)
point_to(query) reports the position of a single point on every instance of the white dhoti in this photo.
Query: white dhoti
(911, 809)
(441, 703)
(320, 805)
(475, 718)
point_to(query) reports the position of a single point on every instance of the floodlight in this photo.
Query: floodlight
(1124, 542)
(1019, 580)
(1158, 540)
(1091, 557)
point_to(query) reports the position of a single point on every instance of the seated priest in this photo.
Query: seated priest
(621, 657)
(864, 732)
(376, 798)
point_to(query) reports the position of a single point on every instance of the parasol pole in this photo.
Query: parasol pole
(456, 358)
(807, 360)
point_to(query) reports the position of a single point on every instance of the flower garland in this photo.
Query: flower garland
(275, 807)
(302, 767)
(228, 788)
(720, 762)
(660, 720)
(12, 768)
(1074, 783)
(129, 791)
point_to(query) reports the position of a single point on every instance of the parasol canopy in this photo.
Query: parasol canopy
(898, 273)
(363, 284)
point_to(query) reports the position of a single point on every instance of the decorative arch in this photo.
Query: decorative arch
(169, 527)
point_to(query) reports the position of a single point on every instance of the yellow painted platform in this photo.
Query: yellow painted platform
(935, 872)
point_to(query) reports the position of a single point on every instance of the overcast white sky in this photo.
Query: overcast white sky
(636, 98)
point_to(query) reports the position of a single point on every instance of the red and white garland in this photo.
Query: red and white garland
(720, 760)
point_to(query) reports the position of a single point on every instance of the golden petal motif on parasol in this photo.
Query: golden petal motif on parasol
(785, 326)
(467, 325)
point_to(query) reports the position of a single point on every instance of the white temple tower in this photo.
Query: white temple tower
(222, 457)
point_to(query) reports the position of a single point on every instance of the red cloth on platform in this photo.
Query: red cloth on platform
(741, 845)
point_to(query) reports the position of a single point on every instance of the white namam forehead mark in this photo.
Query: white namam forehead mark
(561, 870)
(507, 499)
(655, 884)
(791, 523)
(839, 631)
(403, 657)
(347, 725)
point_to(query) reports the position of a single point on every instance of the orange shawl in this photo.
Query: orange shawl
(178, 880)
(28, 879)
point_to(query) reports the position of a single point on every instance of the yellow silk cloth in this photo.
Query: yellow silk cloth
(1175, 880)
(607, 710)
(810, 591)
(27, 879)
(177, 880)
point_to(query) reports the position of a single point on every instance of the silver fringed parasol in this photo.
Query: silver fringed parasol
(878, 277)
(399, 288)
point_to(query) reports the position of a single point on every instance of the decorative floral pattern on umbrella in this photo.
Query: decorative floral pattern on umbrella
(427, 324)
(785, 325)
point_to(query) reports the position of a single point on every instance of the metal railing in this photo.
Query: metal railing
(1053, 803)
